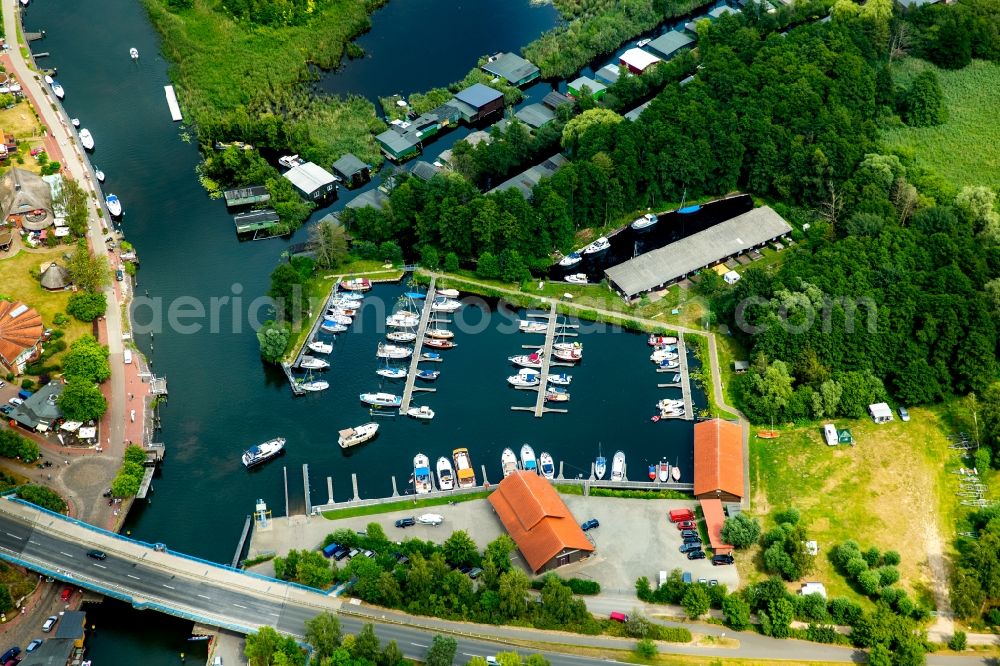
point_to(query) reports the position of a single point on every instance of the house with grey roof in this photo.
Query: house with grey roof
(609, 74)
(670, 43)
(525, 181)
(24, 194)
(535, 115)
(512, 68)
(479, 101)
(41, 409)
(311, 180)
(351, 170)
(576, 87)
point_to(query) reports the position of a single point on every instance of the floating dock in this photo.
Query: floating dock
(685, 378)
(418, 345)
(175, 108)
(292, 381)
(546, 350)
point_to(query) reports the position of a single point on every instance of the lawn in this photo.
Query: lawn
(966, 149)
(892, 489)
(373, 509)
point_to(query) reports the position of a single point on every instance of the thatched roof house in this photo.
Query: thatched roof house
(26, 195)
(55, 277)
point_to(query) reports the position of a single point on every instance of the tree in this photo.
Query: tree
(80, 400)
(441, 651)
(390, 252)
(287, 291)
(979, 205)
(324, 635)
(451, 262)
(777, 620)
(75, 205)
(43, 497)
(460, 550)
(366, 645)
(957, 643)
(86, 306)
(646, 649)
(513, 592)
(736, 612)
(264, 647)
(429, 257)
(592, 120)
(391, 655)
(637, 625)
(487, 266)
(88, 272)
(273, 340)
(498, 552)
(695, 602)
(87, 360)
(741, 531)
(328, 243)
(924, 103)
(880, 656)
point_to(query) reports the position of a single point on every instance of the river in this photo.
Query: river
(223, 398)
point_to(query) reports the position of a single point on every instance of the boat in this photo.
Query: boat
(99, 174)
(568, 355)
(508, 462)
(599, 245)
(676, 378)
(525, 377)
(446, 475)
(401, 336)
(341, 310)
(114, 205)
(86, 139)
(263, 452)
(439, 334)
(445, 305)
(652, 472)
(399, 320)
(381, 399)
(687, 210)
(669, 364)
(357, 435)
(663, 471)
(320, 347)
(530, 326)
(341, 319)
(357, 284)
(600, 465)
(533, 360)
(350, 300)
(561, 379)
(47, 79)
(644, 222)
(571, 259)
(547, 465)
(662, 355)
(577, 278)
(75, 122)
(435, 343)
(422, 481)
(391, 373)
(393, 351)
(528, 462)
(58, 90)
(655, 340)
(314, 385)
(430, 356)
(133, 53)
(428, 375)
(618, 466)
(313, 363)
(463, 467)
(768, 434)
(289, 161)
(553, 394)
(568, 346)
(642, 42)
(433, 519)
(330, 327)
(449, 293)
(424, 413)
(675, 473)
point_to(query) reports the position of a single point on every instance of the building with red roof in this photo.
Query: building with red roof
(21, 333)
(718, 460)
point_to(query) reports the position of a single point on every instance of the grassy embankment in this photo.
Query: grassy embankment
(966, 149)
(402, 505)
(893, 489)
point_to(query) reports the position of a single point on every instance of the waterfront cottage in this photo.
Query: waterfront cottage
(311, 180)
(609, 74)
(670, 43)
(26, 199)
(352, 170)
(535, 115)
(478, 101)
(245, 196)
(21, 334)
(512, 68)
(596, 89)
(637, 61)
(526, 180)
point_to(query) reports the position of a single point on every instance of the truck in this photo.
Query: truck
(679, 515)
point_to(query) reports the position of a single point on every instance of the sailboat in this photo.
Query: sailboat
(600, 465)
(675, 472)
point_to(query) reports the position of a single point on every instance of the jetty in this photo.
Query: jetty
(175, 108)
(301, 353)
(546, 351)
(411, 376)
(685, 378)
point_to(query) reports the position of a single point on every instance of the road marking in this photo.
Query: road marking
(66, 554)
(169, 587)
(418, 645)
(238, 606)
(133, 577)
(204, 597)
(274, 614)
(15, 536)
(100, 565)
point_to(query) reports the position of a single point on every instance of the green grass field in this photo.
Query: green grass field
(966, 149)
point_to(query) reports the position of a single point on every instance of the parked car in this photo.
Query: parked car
(2, 383)
(10, 654)
(66, 593)
(7, 409)
(904, 414)
(696, 540)
(353, 552)
(688, 533)
(618, 617)
(33, 645)
(590, 524)
(49, 623)
(703, 581)
(687, 525)
(680, 515)
(17, 402)
(719, 560)
(97, 554)
(713, 582)
(696, 555)
(688, 547)
(119, 275)
(341, 553)
(406, 522)
(686, 577)
(465, 569)
(474, 574)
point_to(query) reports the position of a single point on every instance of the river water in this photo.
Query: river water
(223, 398)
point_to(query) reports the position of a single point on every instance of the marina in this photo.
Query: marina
(411, 376)
(552, 325)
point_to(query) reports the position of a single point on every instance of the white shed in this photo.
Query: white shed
(880, 412)
(813, 588)
(830, 434)
(731, 277)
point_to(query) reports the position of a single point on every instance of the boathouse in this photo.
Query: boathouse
(539, 522)
(21, 334)
(526, 180)
(556, 100)
(246, 196)
(711, 509)
(423, 170)
(478, 101)
(41, 409)
(26, 199)
(352, 170)
(637, 61)
(719, 12)
(396, 145)
(669, 43)
(311, 180)
(596, 89)
(634, 114)
(258, 223)
(535, 115)
(718, 460)
(659, 268)
(512, 68)
(609, 74)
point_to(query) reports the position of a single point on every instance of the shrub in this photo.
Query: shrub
(12, 445)
(646, 649)
(790, 515)
(59, 319)
(888, 575)
(957, 642)
(736, 612)
(672, 634)
(869, 582)
(741, 531)
(86, 306)
(43, 497)
(856, 567)
(891, 557)
(872, 556)
(822, 634)
(844, 611)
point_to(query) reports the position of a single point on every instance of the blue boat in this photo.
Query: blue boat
(687, 210)
(428, 375)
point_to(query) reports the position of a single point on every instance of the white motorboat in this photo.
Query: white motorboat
(114, 205)
(86, 139)
(341, 310)
(675, 473)
(76, 122)
(430, 356)
(314, 385)
(531, 326)
(599, 245)
(422, 480)
(577, 278)
(662, 355)
(446, 475)
(348, 300)
(547, 465)
(657, 340)
(381, 399)
(263, 452)
(445, 305)
(393, 351)
(618, 467)
(133, 53)
(668, 364)
(57, 89)
(435, 343)
(561, 379)
(508, 462)
(47, 79)
(439, 334)
(424, 413)
(357, 435)
(642, 42)
(600, 464)
(401, 336)
(341, 319)
(391, 373)
(330, 327)
(320, 347)
(428, 375)
(399, 320)
(568, 355)
(448, 293)
(289, 161)
(527, 360)
(525, 377)
(313, 363)
(567, 346)
(433, 519)
(571, 259)
(99, 174)
(644, 222)
(463, 468)
(528, 461)
(663, 471)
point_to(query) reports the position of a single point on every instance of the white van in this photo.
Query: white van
(127, 354)
(663, 578)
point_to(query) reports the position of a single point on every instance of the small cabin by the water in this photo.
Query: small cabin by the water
(243, 196)
(670, 43)
(596, 89)
(311, 180)
(423, 170)
(512, 68)
(352, 170)
(609, 74)
(396, 145)
(554, 100)
(721, 11)
(525, 181)
(535, 115)
(637, 60)
(479, 101)
(257, 223)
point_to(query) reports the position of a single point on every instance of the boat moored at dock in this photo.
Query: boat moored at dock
(422, 481)
(618, 466)
(114, 205)
(526, 377)
(556, 394)
(423, 413)
(577, 278)
(314, 385)
(528, 461)
(263, 452)
(393, 351)
(58, 90)
(463, 466)
(313, 363)
(391, 373)
(357, 284)
(446, 475)
(439, 334)
(448, 293)
(600, 465)
(357, 435)
(331, 327)
(644, 222)
(546, 465)
(435, 343)
(656, 340)
(663, 471)
(527, 360)
(320, 347)
(561, 379)
(401, 336)
(86, 139)
(508, 462)
(531, 326)
(380, 399)
(445, 305)
(570, 260)
(599, 245)
(428, 375)
(402, 320)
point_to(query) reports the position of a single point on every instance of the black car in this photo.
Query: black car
(692, 540)
(97, 554)
(689, 533)
(6, 409)
(688, 547)
(696, 554)
(719, 560)
(465, 569)
(10, 654)
(340, 552)
(406, 522)
(590, 524)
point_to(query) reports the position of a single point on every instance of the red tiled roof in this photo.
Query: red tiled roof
(714, 517)
(718, 457)
(536, 518)
(18, 333)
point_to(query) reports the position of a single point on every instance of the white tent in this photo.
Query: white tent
(88, 433)
(880, 412)
(71, 426)
(731, 277)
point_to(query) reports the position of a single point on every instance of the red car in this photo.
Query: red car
(35, 152)
(686, 525)
(66, 593)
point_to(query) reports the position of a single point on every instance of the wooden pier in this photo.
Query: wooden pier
(296, 389)
(546, 351)
(242, 541)
(685, 378)
(292, 381)
(418, 344)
